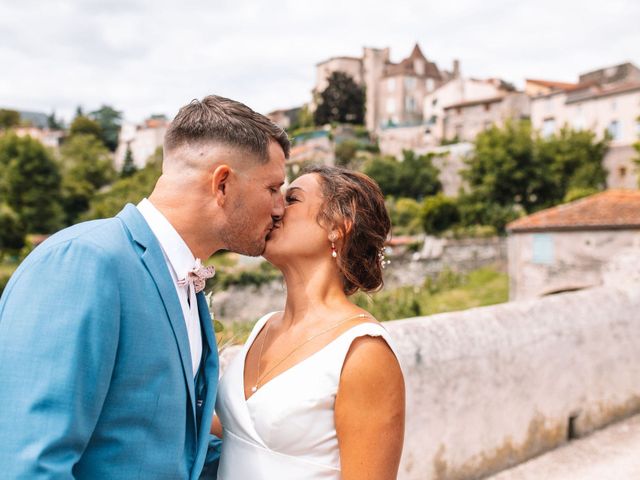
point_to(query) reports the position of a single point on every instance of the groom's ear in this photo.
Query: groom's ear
(220, 183)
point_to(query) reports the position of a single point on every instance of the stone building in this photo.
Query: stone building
(463, 121)
(142, 139)
(394, 91)
(457, 90)
(564, 248)
(605, 100)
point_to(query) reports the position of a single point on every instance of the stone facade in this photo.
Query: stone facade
(394, 91)
(465, 120)
(543, 263)
(143, 140)
(605, 100)
(457, 90)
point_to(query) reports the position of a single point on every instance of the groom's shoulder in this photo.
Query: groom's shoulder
(104, 234)
(102, 240)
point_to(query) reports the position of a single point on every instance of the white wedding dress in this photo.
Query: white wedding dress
(286, 430)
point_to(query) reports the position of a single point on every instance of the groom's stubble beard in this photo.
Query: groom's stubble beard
(239, 235)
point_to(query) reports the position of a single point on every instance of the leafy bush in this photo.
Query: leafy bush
(414, 177)
(439, 213)
(577, 193)
(405, 215)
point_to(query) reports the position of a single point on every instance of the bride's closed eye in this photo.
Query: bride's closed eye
(290, 199)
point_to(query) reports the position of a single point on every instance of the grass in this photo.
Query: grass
(446, 293)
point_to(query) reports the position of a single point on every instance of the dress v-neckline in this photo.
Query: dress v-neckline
(248, 347)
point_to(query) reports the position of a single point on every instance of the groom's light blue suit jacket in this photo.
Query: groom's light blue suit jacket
(96, 379)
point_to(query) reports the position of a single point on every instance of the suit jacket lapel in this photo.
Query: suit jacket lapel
(155, 263)
(207, 380)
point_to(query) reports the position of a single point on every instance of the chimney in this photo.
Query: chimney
(456, 68)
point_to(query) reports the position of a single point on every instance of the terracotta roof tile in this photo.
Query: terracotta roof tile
(552, 84)
(611, 209)
(472, 103)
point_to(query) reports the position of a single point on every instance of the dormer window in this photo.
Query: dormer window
(418, 66)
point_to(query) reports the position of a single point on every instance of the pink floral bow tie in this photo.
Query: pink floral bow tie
(198, 276)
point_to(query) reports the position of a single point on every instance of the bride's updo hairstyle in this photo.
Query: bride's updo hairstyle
(354, 204)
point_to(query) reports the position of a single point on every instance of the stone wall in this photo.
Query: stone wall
(491, 387)
(438, 254)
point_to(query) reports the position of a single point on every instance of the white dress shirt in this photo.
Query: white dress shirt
(180, 260)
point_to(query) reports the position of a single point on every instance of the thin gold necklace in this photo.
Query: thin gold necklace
(266, 333)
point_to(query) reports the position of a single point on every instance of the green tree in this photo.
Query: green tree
(12, 231)
(346, 151)
(418, 176)
(82, 125)
(342, 101)
(87, 167)
(54, 123)
(303, 120)
(405, 215)
(475, 211)
(30, 183)
(576, 160)
(413, 177)
(9, 118)
(504, 169)
(132, 189)
(110, 121)
(129, 166)
(438, 214)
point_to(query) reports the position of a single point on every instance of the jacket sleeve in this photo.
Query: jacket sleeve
(59, 327)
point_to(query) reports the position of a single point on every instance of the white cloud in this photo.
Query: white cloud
(147, 56)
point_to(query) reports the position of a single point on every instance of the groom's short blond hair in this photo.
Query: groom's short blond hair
(226, 122)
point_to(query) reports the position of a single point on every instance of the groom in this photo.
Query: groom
(108, 362)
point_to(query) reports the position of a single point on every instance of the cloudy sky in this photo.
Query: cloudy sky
(144, 56)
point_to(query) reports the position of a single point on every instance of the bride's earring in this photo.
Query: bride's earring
(332, 238)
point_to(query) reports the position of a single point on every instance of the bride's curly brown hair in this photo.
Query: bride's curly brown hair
(354, 205)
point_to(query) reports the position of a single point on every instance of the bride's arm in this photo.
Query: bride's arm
(216, 427)
(369, 412)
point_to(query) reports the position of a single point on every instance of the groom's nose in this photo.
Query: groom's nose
(278, 209)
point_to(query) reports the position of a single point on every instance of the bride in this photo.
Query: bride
(317, 391)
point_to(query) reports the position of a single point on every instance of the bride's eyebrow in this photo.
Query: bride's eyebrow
(291, 189)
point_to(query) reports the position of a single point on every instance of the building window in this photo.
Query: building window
(638, 128)
(578, 123)
(614, 105)
(409, 83)
(548, 127)
(622, 172)
(543, 249)
(487, 107)
(418, 66)
(409, 104)
(614, 130)
(391, 84)
(429, 84)
(391, 105)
